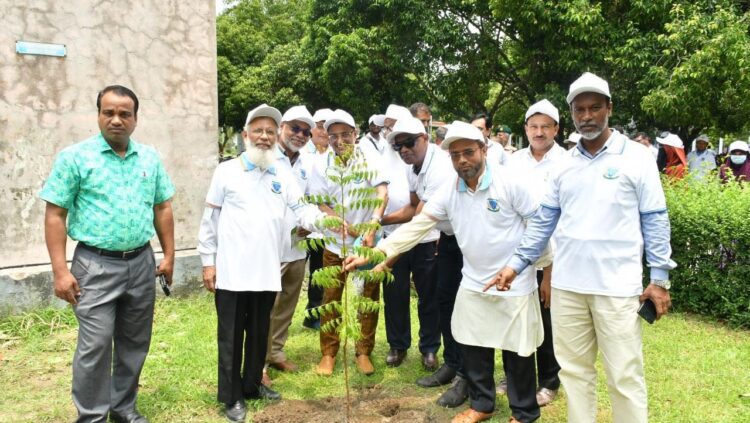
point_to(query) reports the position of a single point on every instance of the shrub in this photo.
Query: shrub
(711, 245)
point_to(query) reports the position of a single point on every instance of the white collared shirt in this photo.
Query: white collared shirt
(535, 173)
(301, 169)
(247, 241)
(601, 253)
(488, 224)
(437, 170)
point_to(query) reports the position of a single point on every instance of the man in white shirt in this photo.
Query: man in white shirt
(605, 204)
(495, 152)
(534, 164)
(295, 131)
(319, 150)
(486, 206)
(645, 139)
(701, 161)
(342, 135)
(240, 241)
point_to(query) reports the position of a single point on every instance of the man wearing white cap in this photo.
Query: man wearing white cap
(319, 149)
(393, 113)
(373, 142)
(671, 159)
(535, 163)
(701, 161)
(426, 169)
(342, 135)
(243, 228)
(296, 126)
(736, 166)
(486, 206)
(607, 203)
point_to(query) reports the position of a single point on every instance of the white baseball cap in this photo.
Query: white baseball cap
(264, 110)
(461, 131)
(544, 107)
(588, 83)
(322, 115)
(575, 137)
(299, 113)
(339, 116)
(702, 137)
(408, 125)
(394, 111)
(671, 140)
(378, 120)
(739, 145)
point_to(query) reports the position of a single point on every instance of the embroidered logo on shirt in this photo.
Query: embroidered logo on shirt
(303, 174)
(275, 187)
(492, 205)
(612, 173)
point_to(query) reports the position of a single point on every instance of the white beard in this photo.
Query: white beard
(290, 145)
(261, 158)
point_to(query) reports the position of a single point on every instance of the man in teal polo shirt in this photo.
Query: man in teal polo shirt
(114, 194)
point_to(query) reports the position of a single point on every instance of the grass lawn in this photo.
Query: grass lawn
(697, 370)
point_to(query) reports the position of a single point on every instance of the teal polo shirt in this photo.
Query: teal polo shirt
(110, 199)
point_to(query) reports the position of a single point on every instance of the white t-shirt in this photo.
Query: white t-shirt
(536, 174)
(251, 227)
(317, 179)
(496, 154)
(393, 169)
(302, 170)
(598, 236)
(488, 224)
(353, 215)
(436, 171)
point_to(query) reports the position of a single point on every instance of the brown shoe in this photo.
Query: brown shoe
(365, 365)
(325, 367)
(471, 416)
(514, 420)
(265, 380)
(284, 366)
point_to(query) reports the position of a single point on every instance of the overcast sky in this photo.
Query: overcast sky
(220, 6)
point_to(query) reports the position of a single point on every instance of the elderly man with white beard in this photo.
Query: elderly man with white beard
(241, 238)
(605, 204)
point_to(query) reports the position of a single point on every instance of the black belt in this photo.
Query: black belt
(125, 255)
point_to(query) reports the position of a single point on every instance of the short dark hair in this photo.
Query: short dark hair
(120, 91)
(644, 135)
(417, 107)
(482, 115)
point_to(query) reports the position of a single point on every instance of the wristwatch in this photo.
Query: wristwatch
(666, 284)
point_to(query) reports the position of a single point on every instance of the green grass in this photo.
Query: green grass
(697, 370)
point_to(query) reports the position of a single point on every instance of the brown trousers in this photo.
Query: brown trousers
(329, 340)
(292, 276)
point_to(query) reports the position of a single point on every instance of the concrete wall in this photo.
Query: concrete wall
(165, 50)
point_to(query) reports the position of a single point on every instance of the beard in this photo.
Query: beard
(470, 173)
(590, 134)
(260, 157)
(288, 143)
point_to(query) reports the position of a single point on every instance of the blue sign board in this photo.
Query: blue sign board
(40, 49)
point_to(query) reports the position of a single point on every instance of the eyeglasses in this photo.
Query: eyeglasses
(544, 128)
(409, 143)
(298, 129)
(345, 136)
(260, 131)
(468, 153)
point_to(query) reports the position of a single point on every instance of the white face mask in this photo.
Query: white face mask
(738, 160)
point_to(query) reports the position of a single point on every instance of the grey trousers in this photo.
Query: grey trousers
(115, 313)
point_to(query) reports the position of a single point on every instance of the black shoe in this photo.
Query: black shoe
(313, 324)
(236, 412)
(443, 376)
(132, 417)
(265, 393)
(430, 361)
(456, 394)
(395, 357)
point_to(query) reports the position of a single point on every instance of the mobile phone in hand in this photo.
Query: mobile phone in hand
(164, 286)
(648, 311)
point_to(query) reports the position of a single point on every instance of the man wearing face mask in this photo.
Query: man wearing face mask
(296, 125)
(737, 165)
(605, 204)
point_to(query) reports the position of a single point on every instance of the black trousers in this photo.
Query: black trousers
(242, 334)
(479, 369)
(450, 261)
(314, 292)
(546, 364)
(418, 263)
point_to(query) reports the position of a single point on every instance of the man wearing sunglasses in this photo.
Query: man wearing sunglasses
(486, 207)
(296, 125)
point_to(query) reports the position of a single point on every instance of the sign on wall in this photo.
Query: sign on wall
(40, 49)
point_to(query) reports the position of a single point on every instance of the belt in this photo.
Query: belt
(125, 255)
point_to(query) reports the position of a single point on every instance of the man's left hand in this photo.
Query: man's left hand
(369, 239)
(166, 267)
(660, 297)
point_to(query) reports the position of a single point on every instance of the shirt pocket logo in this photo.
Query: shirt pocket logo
(493, 205)
(303, 174)
(612, 173)
(275, 187)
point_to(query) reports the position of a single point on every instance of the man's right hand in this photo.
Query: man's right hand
(66, 287)
(209, 278)
(502, 281)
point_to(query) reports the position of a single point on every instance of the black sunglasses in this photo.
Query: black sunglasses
(409, 143)
(297, 129)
